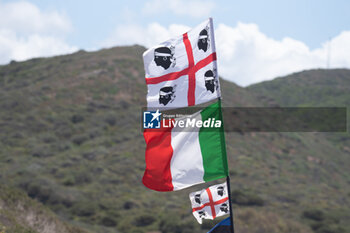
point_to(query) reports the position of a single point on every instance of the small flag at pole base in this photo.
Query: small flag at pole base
(210, 203)
(222, 227)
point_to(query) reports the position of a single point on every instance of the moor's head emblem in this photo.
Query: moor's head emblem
(211, 82)
(167, 94)
(164, 57)
(203, 40)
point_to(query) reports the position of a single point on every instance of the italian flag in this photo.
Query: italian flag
(177, 158)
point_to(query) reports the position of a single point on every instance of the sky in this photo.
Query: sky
(255, 40)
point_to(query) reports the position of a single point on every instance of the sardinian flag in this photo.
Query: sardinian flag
(182, 71)
(210, 203)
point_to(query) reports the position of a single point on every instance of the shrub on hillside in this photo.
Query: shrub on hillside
(322, 222)
(76, 118)
(110, 119)
(41, 151)
(173, 224)
(144, 220)
(129, 205)
(85, 208)
(108, 221)
(328, 228)
(79, 139)
(314, 214)
(39, 191)
(246, 198)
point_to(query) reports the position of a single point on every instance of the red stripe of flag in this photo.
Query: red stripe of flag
(189, 51)
(208, 204)
(158, 155)
(206, 61)
(212, 205)
(175, 75)
(191, 73)
(167, 77)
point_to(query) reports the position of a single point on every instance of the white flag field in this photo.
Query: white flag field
(182, 71)
(210, 203)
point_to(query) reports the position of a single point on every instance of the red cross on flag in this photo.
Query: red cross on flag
(182, 71)
(210, 203)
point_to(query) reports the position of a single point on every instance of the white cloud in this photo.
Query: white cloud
(245, 54)
(340, 50)
(13, 47)
(193, 8)
(148, 36)
(26, 32)
(248, 56)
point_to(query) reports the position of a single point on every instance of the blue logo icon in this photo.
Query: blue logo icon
(151, 119)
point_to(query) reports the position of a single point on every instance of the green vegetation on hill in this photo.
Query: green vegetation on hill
(21, 214)
(71, 139)
(315, 88)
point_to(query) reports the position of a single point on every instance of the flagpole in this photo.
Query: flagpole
(228, 174)
(230, 203)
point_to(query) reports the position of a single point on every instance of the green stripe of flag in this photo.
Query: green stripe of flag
(212, 143)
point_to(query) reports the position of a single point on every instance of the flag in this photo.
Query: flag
(210, 203)
(177, 157)
(182, 71)
(222, 227)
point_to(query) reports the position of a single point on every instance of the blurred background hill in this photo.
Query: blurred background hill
(72, 152)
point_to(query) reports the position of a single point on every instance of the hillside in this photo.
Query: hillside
(329, 88)
(21, 214)
(70, 138)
